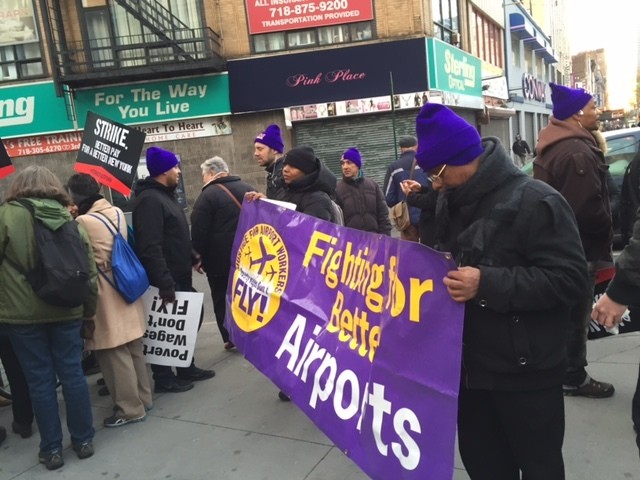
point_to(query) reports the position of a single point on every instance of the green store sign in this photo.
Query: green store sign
(169, 100)
(32, 109)
(453, 70)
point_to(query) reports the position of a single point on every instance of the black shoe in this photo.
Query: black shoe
(51, 460)
(3, 434)
(103, 392)
(283, 396)
(25, 431)
(195, 374)
(590, 388)
(83, 450)
(101, 381)
(173, 385)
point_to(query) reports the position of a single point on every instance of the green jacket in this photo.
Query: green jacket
(18, 303)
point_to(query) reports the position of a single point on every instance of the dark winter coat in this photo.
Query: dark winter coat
(275, 182)
(161, 230)
(522, 236)
(570, 161)
(312, 193)
(397, 172)
(214, 220)
(363, 205)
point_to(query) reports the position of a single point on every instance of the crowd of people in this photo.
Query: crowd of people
(526, 249)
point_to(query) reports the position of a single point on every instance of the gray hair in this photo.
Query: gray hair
(214, 165)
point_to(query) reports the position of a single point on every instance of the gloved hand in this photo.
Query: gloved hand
(168, 295)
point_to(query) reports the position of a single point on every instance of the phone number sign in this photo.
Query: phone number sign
(267, 16)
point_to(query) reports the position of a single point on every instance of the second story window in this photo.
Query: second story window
(353, 32)
(486, 38)
(20, 49)
(446, 20)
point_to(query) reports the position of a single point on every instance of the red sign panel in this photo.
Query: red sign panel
(41, 144)
(267, 16)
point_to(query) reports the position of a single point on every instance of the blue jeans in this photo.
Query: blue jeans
(47, 351)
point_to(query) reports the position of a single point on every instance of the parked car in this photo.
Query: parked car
(622, 146)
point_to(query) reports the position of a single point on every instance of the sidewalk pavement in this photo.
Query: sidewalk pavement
(234, 427)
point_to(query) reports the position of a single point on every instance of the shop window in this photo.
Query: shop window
(354, 32)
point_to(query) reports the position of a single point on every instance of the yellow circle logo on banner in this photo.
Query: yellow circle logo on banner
(260, 277)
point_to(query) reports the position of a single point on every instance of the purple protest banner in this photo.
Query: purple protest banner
(358, 329)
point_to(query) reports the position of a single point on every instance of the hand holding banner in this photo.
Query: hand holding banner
(358, 329)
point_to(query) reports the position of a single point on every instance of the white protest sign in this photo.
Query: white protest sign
(172, 328)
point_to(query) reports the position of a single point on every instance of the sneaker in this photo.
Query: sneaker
(25, 431)
(229, 345)
(83, 450)
(51, 460)
(590, 389)
(173, 385)
(195, 374)
(116, 421)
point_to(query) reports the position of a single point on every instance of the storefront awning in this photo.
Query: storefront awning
(521, 27)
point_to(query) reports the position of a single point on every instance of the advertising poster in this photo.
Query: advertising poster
(358, 329)
(267, 16)
(43, 144)
(110, 152)
(172, 328)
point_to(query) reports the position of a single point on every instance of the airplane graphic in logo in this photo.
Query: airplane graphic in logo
(263, 259)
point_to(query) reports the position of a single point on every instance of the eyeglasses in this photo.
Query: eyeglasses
(433, 177)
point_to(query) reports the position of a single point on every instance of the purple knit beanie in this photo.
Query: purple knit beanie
(160, 161)
(567, 101)
(444, 138)
(352, 154)
(272, 138)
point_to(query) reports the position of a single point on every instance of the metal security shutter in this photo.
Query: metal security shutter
(497, 128)
(371, 134)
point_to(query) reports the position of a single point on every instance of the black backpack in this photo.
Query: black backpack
(629, 198)
(61, 276)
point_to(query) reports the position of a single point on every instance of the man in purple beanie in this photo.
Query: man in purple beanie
(361, 198)
(163, 244)
(268, 148)
(520, 265)
(571, 160)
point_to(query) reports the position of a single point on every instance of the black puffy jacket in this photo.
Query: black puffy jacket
(312, 193)
(522, 236)
(163, 242)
